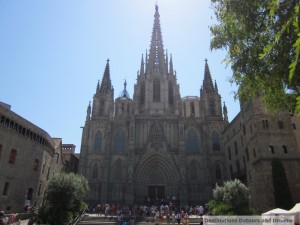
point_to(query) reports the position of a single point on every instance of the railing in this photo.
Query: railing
(77, 218)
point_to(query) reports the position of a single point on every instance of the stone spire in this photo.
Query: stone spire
(225, 112)
(146, 62)
(106, 82)
(142, 70)
(207, 82)
(156, 54)
(167, 60)
(216, 86)
(171, 71)
(88, 113)
(98, 86)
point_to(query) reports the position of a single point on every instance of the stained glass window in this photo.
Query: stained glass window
(98, 141)
(119, 141)
(192, 141)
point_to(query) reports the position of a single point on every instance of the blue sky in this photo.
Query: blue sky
(53, 52)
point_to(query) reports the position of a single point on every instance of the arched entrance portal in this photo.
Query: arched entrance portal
(156, 178)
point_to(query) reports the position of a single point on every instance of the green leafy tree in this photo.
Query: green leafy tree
(233, 198)
(282, 194)
(263, 43)
(63, 198)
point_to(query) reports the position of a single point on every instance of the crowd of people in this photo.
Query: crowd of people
(7, 219)
(158, 213)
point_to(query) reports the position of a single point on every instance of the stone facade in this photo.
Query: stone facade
(28, 159)
(156, 145)
(251, 141)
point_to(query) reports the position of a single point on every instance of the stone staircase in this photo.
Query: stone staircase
(92, 219)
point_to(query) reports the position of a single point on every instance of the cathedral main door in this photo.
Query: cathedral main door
(156, 192)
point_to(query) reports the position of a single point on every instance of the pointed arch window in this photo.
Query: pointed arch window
(97, 141)
(212, 107)
(5, 189)
(171, 93)
(119, 142)
(142, 96)
(102, 107)
(229, 153)
(218, 172)
(95, 171)
(215, 141)
(156, 90)
(192, 108)
(192, 141)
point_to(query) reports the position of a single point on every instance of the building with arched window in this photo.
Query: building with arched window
(157, 145)
(29, 158)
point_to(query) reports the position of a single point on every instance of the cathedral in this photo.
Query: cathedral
(156, 145)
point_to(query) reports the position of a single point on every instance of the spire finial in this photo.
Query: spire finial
(207, 82)
(125, 84)
(156, 6)
(106, 82)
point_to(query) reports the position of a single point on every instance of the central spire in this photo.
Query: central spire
(156, 54)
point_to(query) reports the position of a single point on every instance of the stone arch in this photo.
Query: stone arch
(156, 170)
(95, 170)
(147, 168)
(218, 172)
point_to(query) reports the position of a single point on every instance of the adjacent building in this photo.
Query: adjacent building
(29, 157)
(252, 140)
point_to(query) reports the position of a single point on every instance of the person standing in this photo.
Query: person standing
(178, 218)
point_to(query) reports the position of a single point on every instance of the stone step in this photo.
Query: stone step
(94, 219)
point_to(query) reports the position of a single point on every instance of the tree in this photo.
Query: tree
(233, 198)
(282, 194)
(63, 197)
(263, 43)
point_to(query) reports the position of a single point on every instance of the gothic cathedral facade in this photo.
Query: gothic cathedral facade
(157, 145)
